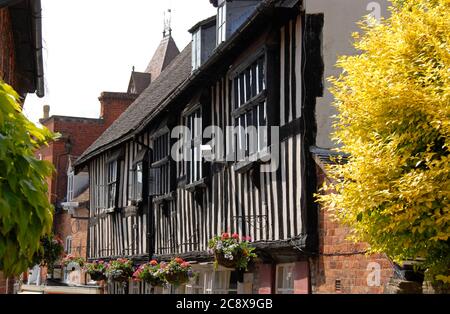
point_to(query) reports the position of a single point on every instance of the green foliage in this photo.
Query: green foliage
(120, 270)
(25, 212)
(177, 272)
(97, 270)
(51, 250)
(393, 103)
(71, 259)
(150, 273)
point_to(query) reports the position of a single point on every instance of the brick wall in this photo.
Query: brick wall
(2, 284)
(112, 105)
(6, 286)
(264, 279)
(7, 56)
(343, 266)
(79, 233)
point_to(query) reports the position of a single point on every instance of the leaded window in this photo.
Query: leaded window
(250, 112)
(160, 170)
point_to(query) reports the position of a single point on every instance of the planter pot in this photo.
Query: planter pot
(221, 260)
(177, 278)
(153, 281)
(97, 276)
(119, 276)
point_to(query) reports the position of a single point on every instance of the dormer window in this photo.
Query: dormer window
(203, 41)
(231, 14)
(196, 49)
(221, 22)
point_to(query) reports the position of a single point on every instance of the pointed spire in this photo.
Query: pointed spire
(164, 54)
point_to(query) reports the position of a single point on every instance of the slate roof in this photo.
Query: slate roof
(166, 52)
(174, 75)
(204, 23)
(140, 81)
(174, 81)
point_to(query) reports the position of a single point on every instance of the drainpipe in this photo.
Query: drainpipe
(37, 30)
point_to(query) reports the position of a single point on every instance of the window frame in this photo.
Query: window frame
(70, 186)
(209, 282)
(194, 145)
(68, 244)
(135, 193)
(196, 49)
(284, 289)
(158, 161)
(112, 183)
(112, 187)
(221, 29)
(243, 106)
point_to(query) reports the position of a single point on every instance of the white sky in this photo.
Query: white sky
(90, 46)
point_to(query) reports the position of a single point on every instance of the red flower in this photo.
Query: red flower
(225, 236)
(179, 260)
(235, 236)
(153, 263)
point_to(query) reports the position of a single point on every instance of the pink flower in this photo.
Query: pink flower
(247, 239)
(235, 236)
(225, 236)
(163, 265)
(185, 265)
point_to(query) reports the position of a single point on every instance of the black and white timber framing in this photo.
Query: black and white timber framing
(267, 73)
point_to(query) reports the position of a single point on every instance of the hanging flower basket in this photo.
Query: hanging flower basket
(71, 262)
(177, 279)
(52, 251)
(150, 273)
(227, 262)
(232, 251)
(96, 270)
(120, 270)
(177, 272)
(97, 276)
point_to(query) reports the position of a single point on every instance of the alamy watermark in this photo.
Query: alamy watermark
(234, 144)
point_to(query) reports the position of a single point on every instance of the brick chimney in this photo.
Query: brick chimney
(112, 105)
(46, 112)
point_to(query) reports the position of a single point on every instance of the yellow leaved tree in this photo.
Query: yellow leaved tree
(393, 103)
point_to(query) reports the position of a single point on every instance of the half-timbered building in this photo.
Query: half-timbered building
(255, 69)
